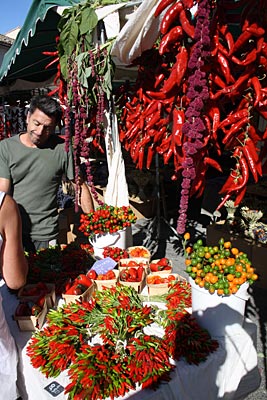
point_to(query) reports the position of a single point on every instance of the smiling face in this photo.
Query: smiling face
(39, 128)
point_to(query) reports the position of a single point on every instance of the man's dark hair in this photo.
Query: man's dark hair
(47, 105)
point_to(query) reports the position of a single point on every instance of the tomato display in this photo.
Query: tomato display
(110, 275)
(139, 251)
(132, 274)
(220, 269)
(163, 264)
(159, 279)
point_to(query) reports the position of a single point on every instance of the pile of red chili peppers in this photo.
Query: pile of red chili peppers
(232, 78)
(124, 355)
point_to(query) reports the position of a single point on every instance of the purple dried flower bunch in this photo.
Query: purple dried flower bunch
(86, 104)
(194, 128)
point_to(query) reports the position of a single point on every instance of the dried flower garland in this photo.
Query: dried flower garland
(85, 80)
(194, 127)
(123, 356)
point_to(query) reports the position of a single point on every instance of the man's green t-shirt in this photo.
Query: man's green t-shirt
(35, 175)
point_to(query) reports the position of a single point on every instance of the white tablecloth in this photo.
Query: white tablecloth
(229, 373)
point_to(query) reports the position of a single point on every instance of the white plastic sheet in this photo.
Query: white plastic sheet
(117, 189)
(138, 34)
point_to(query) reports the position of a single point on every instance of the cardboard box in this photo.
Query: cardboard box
(161, 288)
(71, 298)
(50, 296)
(138, 286)
(100, 284)
(31, 322)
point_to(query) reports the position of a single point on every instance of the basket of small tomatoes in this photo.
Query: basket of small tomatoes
(139, 252)
(161, 266)
(133, 262)
(109, 279)
(81, 288)
(160, 284)
(133, 276)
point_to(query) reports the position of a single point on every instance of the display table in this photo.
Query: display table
(229, 373)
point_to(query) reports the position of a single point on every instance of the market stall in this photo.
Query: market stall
(229, 373)
(196, 95)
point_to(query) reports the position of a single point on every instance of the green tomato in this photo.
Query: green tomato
(221, 241)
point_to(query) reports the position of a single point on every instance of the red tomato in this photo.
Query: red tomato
(132, 263)
(91, 274)
(79, 289)
(124, 275)
(164, 261)
(132, 274)
(110, 275)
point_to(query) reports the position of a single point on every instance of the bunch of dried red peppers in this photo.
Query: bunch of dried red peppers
(232, 77)
(124, 356)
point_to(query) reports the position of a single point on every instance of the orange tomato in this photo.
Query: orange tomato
(234, 251)
(254, 277)
(213, 279)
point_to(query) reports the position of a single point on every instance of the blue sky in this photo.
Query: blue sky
(13, 14)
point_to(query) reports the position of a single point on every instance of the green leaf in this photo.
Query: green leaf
(89, 20)
(69, 36)
(64, 66)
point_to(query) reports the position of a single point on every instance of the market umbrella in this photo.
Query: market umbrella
(24, 60)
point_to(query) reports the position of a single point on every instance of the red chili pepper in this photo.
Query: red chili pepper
(234, 117)
(181, 64)
(242, 39)
(171, 82)
(240, 195)
(150, 154)
(185, 18)
(250, 58)
(178, 119)
(251, 162)
(257, 89)
(52, 62)
(253, 135)
(159, 79)
(229, 183)
(141, 158)
(50, 53)
(224, 200)
(244, 173)
(153, 120)
(225, 67)
(170, 17)
(170, 39)
(253, 152)
(232, 132)
(213, 163)
(255, 29)
(163, 4)
(230, 41)
(214, 78)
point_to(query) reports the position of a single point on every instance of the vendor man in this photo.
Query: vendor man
(32, 165)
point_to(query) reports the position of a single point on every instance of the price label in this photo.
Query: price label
(103, 266)
(54, 388)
